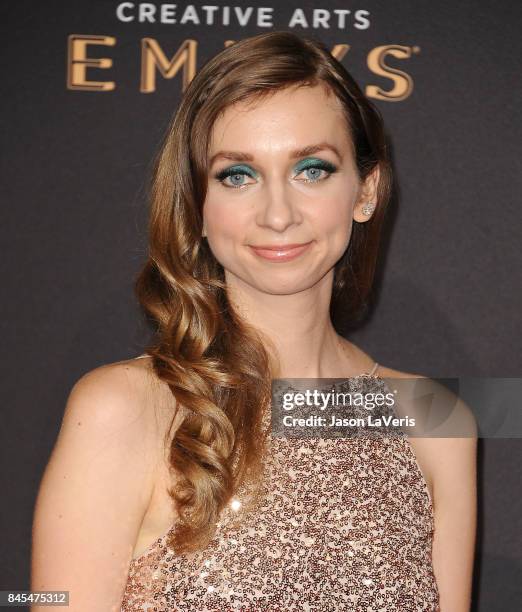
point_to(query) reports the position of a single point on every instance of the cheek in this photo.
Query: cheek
(333, 220)
(331, 214)
(225, 224)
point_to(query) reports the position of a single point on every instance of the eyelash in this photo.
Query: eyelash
(236, 170)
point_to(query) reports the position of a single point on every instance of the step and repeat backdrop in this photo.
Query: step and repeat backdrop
(88, 89)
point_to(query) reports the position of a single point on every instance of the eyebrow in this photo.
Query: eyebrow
(303, 152)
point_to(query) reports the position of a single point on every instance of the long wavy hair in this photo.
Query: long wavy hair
(217, 366)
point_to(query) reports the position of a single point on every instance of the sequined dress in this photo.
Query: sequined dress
(342, 524)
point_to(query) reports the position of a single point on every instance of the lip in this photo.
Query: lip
(280, 252)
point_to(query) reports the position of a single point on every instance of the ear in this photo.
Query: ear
(367, 199)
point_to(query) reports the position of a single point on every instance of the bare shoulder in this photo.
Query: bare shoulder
(452, 416)
(98, 484)
(112, 411)
(447, 452)
(447, 457)
(114, 396)
(119, 385)
(120, 393)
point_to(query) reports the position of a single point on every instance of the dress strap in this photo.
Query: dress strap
(141, 356)
(374, 369)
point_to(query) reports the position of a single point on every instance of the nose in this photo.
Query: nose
(278, 209)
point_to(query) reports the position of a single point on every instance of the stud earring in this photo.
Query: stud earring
(368, 208)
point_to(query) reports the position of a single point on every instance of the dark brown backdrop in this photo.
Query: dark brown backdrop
(73, 232)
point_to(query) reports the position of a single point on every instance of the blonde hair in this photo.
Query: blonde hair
(216, 365)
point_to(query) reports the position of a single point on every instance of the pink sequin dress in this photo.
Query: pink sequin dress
(342, 524)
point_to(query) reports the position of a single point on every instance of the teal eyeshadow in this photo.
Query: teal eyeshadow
(314, 163)
(303, 165)
(235, 170)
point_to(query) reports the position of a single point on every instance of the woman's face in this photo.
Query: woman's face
(281, 173)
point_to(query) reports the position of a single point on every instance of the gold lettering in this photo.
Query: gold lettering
(78, 62)
(152, 57)
(403, 83)
(339, 51)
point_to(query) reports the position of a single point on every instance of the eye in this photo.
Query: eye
(315, 170)
(236, 174)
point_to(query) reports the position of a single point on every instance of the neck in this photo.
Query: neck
(299, 331)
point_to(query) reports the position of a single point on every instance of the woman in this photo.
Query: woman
(165, 490)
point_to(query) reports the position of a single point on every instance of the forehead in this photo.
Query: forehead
(284, 119)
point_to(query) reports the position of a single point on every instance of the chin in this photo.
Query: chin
(283, 283)
(278, 279)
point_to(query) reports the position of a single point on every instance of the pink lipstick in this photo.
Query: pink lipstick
(280, 252)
